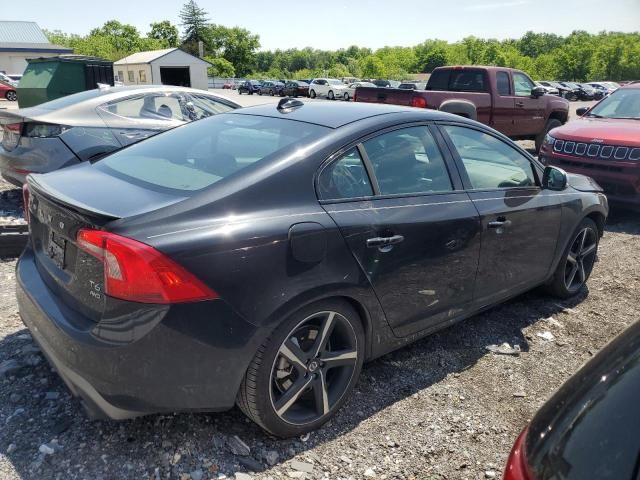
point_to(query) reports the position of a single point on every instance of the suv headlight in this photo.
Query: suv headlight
(549, 140)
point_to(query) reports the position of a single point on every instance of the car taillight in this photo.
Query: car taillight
(25, 201)
(419, 102)
(137, 272)
(42, 130)
(517, 467)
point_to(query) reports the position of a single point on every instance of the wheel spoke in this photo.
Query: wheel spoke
(339, 358)
(291, 395)
(588, 250)
(321, 394)
(325, 332)
(582, 274)
(583, 238)
(294, 354)
(571, 258)
(572, 275)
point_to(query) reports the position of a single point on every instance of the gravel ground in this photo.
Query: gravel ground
(445, 407)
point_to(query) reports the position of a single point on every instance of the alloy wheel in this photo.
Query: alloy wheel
(580, 259)
(12, 96)
(313, 368)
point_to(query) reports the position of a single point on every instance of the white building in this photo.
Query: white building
(22, 40)
(171, 66)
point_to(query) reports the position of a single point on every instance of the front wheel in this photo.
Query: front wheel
(577, 261)
(346, 97)
(306, 370)
(330, 95)
(11, 96)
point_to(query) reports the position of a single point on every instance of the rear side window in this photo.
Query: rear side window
(503, 84)
(345, 178)
(468, 81)
(408, 161)
(489, 162)
(202, 153)
(150, 107)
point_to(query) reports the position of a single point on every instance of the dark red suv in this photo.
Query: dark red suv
(603, 144)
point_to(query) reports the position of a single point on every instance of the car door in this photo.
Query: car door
(529, 118)
(414, 232)
(520, 221)
(503, 104)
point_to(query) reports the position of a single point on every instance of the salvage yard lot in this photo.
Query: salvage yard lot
(445, 407)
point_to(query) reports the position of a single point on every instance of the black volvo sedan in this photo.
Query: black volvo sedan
(260, 256)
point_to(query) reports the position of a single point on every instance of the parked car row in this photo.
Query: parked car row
(579, 91)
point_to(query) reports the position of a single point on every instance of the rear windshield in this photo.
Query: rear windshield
(197, 155)
(463, 80)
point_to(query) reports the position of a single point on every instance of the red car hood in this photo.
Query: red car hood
(609, 130)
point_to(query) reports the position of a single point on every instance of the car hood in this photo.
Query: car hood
(583, 183)
(601, 130)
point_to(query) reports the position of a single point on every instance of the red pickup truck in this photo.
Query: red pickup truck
(503, 98)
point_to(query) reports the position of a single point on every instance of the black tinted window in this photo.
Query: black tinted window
(204, 152)
(345, 178)
(490, 163)
(503, 84)
(439, 80)
(468, 81)
(408, 161)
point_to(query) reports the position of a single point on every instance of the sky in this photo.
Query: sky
(334, 24)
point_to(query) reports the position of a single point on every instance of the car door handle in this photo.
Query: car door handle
(519, 104)
(384, 241)
(499, 223)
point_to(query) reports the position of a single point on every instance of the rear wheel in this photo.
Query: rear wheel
(306, 370)
(271, 92)
(346, 97)
(577, 261)
(11, 96)
(312, 93)
(551, 124)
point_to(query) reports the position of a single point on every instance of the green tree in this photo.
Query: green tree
(220, 67)
(195, 21)
(372, 67)
(237, 45)
(165, 32)
(123, 37)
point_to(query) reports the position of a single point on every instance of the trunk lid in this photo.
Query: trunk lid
(95, 200)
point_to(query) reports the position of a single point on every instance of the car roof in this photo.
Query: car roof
(337, 114)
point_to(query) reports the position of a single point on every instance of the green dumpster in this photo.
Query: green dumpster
(46, 79)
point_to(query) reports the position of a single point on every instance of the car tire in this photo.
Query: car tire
(551, 124)
(292, 358)
(312, 93)
(345, 97)
(577, 261)
(330, 95)
(11, 95)
(271, 92)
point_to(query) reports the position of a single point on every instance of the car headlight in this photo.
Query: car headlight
(549, 140)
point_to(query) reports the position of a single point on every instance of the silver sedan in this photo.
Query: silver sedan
(89, 125)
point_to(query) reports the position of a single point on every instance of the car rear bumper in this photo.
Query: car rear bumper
(620, 180)
(193, 357)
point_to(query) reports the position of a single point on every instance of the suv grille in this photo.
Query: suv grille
(596, 150)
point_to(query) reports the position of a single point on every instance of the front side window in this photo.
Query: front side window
(489, 162)
(522, 85)
(408, 161)
(191, 158)
(345, 178)
(201, 106)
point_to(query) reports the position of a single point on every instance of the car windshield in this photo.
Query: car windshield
(612, 84)
(194, 157)
(623, 103)
(335, 82)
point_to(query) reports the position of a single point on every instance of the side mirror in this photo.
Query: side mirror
(538, 92)
(554, 178)
(581, 111)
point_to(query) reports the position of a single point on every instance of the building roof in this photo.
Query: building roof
(21, 32)
(150, 56)
(18, 36)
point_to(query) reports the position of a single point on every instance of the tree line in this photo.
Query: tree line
(235, 52)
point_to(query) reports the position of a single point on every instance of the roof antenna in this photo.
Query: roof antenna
(288, 104)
